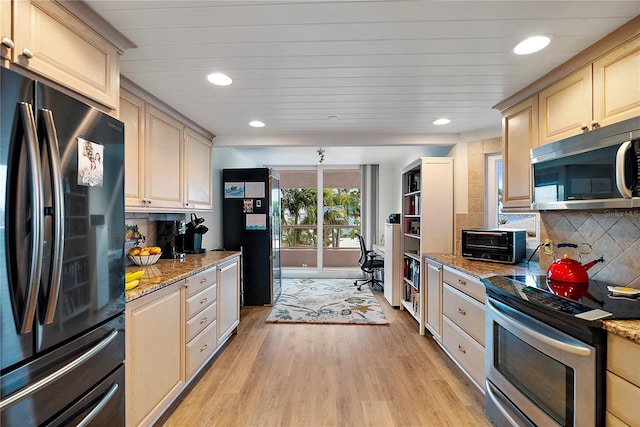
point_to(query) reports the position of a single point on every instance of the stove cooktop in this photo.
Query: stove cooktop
(589, 301)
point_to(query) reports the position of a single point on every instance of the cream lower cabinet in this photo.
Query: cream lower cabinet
(201, 311)
(622, 382)
(433, 298)
(463, 322)
(154, 363)
(228, 299)
(393, 264)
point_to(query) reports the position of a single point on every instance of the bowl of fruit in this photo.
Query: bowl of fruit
(144, 256)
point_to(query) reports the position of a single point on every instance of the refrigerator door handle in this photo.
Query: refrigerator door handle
(95, 411)
(37, 223)
(53, 151)
(35, 387)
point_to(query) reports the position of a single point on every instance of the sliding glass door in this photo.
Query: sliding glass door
(329, 240)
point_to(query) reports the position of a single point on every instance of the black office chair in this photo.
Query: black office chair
(370, 263)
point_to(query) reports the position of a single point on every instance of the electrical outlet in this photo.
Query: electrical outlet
(547, 243)
(547, 247)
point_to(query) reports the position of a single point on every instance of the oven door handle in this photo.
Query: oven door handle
(529, 329)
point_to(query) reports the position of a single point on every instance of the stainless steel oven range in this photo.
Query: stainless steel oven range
(546, 350)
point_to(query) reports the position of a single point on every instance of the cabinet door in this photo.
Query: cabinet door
(616, 84)
(228, 298)
(198, 171)
(154, 353)
(44, 33)
(5, 29)
(519, 136)
(566, 107)
(434, 300)
(131, 113)
(163, 154)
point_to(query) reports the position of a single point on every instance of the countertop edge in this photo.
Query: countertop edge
(167, 272)
(629, 329)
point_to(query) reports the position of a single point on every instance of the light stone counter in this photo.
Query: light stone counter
(629, 329)
(168, 271)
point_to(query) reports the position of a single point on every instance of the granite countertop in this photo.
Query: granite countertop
(629, 329)
(168, 271)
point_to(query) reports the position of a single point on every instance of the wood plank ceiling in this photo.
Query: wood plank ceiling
(381, 67)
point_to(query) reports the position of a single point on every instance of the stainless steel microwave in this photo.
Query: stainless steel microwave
(599, 169)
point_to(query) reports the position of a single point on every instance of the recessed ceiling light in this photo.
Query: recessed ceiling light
(332, 117)
(256, 124)
(442, 121)
(219, 79)
(531, 45)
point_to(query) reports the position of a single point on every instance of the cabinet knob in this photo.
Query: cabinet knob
(27, 53)
(7, 42)
(584, 127)
(595, 124)
(461, 311)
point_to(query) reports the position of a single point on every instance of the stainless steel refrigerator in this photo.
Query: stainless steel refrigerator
(251, 223)
(61, 259)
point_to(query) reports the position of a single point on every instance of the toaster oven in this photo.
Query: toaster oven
(497, 245)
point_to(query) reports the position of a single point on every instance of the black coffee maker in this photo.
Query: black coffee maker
(193, 235)
(170, 236)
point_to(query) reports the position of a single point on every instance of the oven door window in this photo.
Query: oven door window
(545, 381)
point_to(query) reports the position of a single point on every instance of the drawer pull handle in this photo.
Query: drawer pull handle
(203, 280)
(204, 320)
(461, 348)
(204, 347)
(461, 311)
(462, 282)
(203, 300)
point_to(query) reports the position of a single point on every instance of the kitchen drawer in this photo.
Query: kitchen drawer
(200, 300)
(623, 358)
(200, 349)
(200, 321)
(464, 349)
(465, 312)
(464, 283)
(199, 281)
(622, 399)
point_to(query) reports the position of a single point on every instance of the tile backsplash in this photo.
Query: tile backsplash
(612, 234)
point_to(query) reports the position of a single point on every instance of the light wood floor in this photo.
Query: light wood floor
(330, 375)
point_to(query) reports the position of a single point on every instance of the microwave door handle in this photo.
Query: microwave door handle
(53, 151)
(621, 183)
(37, 200)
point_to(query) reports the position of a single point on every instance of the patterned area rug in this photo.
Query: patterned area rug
(326, 301)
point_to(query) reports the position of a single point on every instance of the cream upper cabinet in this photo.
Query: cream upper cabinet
(52, 42)
(519, 136)
(163, 160)
(6, 36)
(132, 114)
(616, 84)
(565, 107)
(198, 169)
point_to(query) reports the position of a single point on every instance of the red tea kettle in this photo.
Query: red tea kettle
(569, 270)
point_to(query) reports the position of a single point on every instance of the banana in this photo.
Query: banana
(133, 276)
(130, 285)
